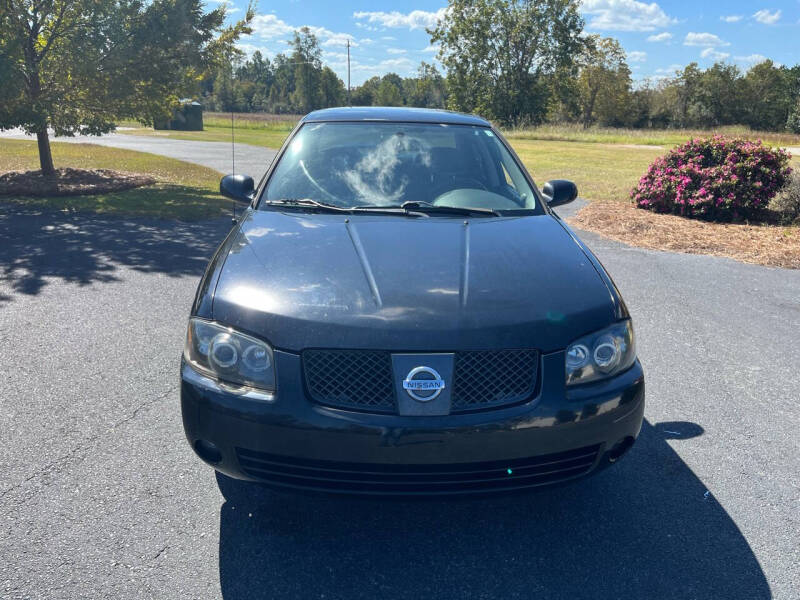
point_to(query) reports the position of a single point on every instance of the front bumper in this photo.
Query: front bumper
(292, 442)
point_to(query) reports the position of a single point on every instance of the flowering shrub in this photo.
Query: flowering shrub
(787, 203)
(718, 179)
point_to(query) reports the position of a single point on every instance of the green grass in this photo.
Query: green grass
(601, 172)
(599, 160)
(183, 191)
(254, 129)
(650, 137)
(260, 129)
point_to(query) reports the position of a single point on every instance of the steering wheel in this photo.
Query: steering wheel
(457, 181)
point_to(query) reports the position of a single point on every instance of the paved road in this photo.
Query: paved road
(250, 160)
(101, 497)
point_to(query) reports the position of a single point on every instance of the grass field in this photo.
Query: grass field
(655, 137)
(605, 163)
(184, 190)
(255, 129)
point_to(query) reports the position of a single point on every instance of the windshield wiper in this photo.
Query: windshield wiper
(414, 207)
(306, 203)
(428, 208)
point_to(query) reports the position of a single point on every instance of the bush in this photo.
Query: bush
(787, 202)
(717, 179)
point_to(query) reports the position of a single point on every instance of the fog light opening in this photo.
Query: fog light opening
(207, 451)
(620, 448)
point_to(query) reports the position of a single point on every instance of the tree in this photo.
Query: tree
(79, 65)
(307, 59)
(364, 95)
(331, 89)
(768, 98)
(282, 85)
(427, 89)
(604, 81)
(720, 95)
(389, 92)
(497, 53)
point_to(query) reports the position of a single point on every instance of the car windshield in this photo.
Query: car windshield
(382, 164)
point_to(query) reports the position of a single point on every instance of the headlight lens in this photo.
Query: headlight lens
(228, 355)
(601, 354)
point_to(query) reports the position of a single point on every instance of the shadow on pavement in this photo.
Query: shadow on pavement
(85, 248)
(645, 528)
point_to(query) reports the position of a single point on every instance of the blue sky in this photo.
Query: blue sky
(659, 37)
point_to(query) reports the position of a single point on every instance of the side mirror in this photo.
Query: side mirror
(559, 191)
(237, 187)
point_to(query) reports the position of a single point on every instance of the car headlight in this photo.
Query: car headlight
(601, 354)
(228, 355)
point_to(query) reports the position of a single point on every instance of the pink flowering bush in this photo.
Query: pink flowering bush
(718, 179)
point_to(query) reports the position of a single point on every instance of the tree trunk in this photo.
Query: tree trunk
(45, 155)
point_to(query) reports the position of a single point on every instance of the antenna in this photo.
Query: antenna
(233, 166)
(348, 71)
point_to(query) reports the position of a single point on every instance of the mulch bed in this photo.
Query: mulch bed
(763, 244)
(70, 182)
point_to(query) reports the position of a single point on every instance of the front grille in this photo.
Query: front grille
(363, 379)
(457, 478)
(350, 379)
(484, 379)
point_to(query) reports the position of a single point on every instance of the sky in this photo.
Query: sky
(659, 37)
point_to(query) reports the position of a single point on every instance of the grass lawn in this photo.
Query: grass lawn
(257, 130)
(184, 190)
(601, 161)
(655, 137)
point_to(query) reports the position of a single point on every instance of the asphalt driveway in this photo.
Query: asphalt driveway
(101, 496)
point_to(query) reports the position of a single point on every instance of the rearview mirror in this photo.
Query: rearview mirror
(559, 191)
(237, 187)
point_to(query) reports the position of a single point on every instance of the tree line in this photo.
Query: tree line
(298, 82)
(521, 63)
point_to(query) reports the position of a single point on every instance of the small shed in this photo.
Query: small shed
(187, 117)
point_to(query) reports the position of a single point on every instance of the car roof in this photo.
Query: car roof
(394, 114)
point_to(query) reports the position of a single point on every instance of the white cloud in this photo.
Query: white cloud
(416, 19)
(752, 59)
(637, 56)
(269, 27)
(366, 41)
(703, 39)
(766, 17)
(660, 37)
(431, 48)
(731, 18)
(396, 50)
(625, 15)
(367, 27)
(333, 39)
(360, 70)
(713, 54)
(670, 70)
(402, 64)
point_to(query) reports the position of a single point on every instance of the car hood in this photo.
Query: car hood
(303, 280)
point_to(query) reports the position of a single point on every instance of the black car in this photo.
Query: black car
(399, 311)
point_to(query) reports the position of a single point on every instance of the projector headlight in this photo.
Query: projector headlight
(229, 356)
(601, 354)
